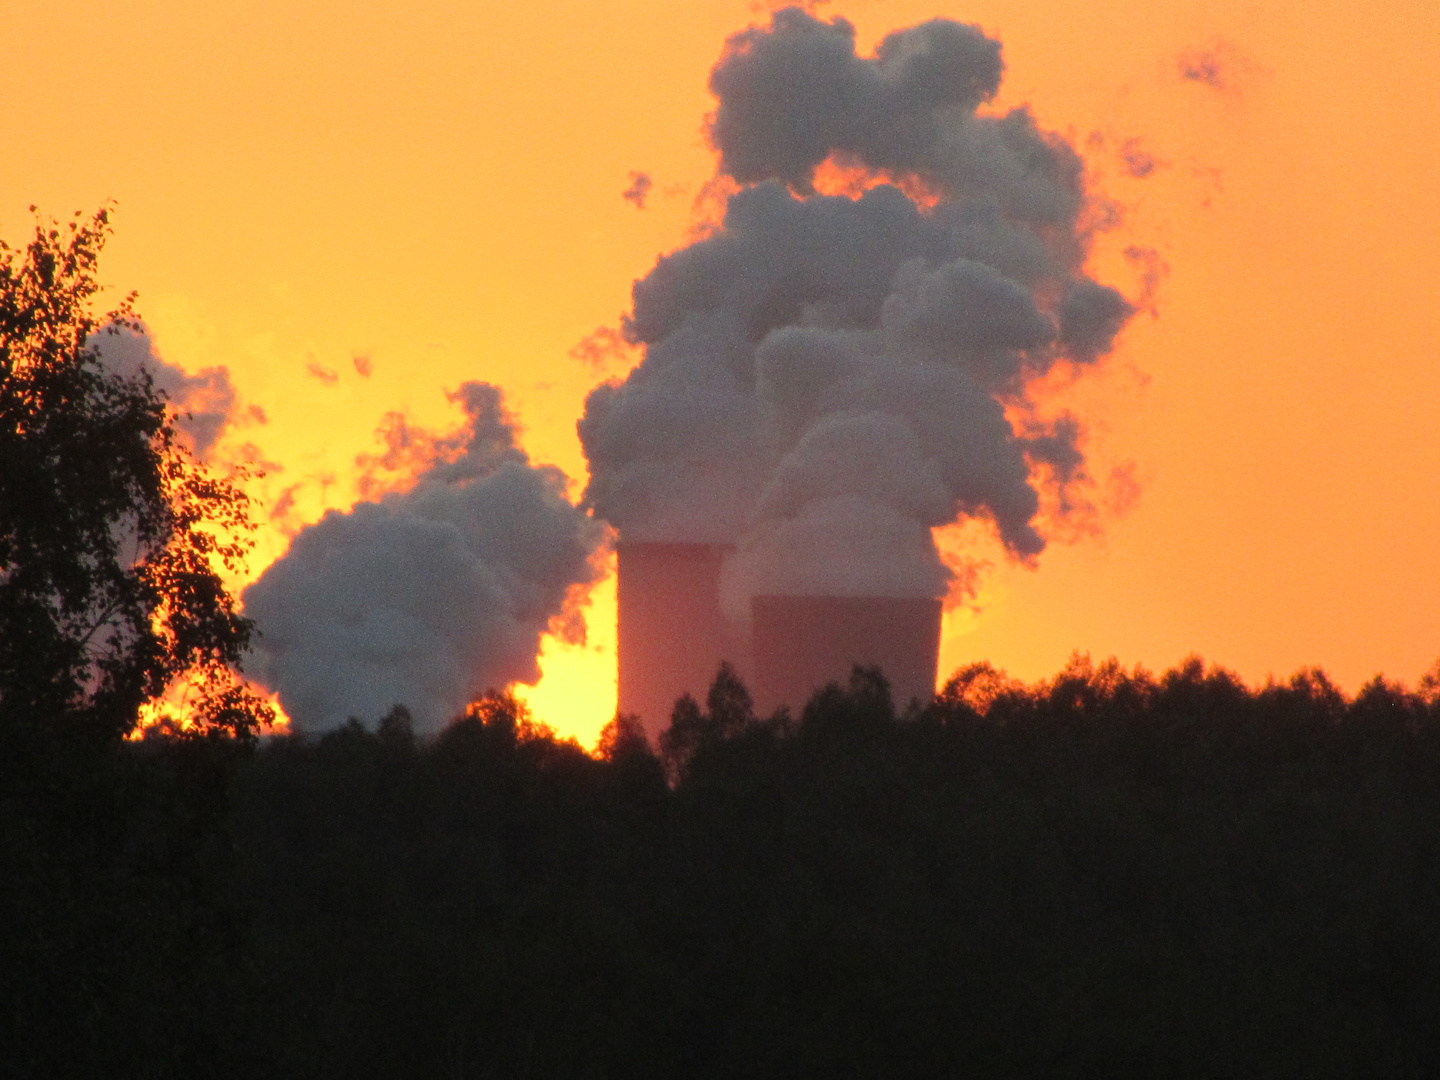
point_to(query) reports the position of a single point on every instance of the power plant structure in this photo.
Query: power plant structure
(673, 636)
(801, 643)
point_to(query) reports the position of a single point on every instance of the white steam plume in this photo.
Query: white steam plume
(826, 377)
(425, 597)
(203, 403)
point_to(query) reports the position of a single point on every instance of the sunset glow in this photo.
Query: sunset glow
(355, 215)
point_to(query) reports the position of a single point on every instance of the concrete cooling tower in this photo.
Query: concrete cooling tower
(672, 635)
(800, 643)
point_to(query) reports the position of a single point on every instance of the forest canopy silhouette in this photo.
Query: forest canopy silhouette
(1104, 872)
(1107, 872)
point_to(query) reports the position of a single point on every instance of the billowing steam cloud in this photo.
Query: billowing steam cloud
(429, 596)
(826, 376)
(203, 403)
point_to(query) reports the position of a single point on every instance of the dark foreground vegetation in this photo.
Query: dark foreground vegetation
(1104, 874)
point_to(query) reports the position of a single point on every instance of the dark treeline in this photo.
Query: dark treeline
(1104, 874)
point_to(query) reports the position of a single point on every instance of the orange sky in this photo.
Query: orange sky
(436, 185)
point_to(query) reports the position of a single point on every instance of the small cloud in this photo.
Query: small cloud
(600, 346)
(1222, 66)
(1136, 161)
(254, 459)
(285, 504)
(1152, 268)
(707, 211)
(321, 372)
(258, 415)
(639, 189)
(1129, 153)
(810, 7)
(1202, 66)
(1122, 490)
(362, 365)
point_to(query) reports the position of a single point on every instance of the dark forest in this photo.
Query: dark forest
(1105, 873)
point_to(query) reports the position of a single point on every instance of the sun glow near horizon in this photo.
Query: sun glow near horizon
(576, 693)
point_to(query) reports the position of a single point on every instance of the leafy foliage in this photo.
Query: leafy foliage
(111, 534)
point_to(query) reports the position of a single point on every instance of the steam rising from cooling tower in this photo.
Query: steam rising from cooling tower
(203, 403)
(430, 596)
(826, 376)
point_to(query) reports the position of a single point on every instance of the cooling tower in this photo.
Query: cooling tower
(800, 643)
(671, 634)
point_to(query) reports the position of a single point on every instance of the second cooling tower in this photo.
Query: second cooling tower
(672, 635)
(801, 643)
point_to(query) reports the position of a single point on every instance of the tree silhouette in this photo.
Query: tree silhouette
(729, 710)
(110, 532)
